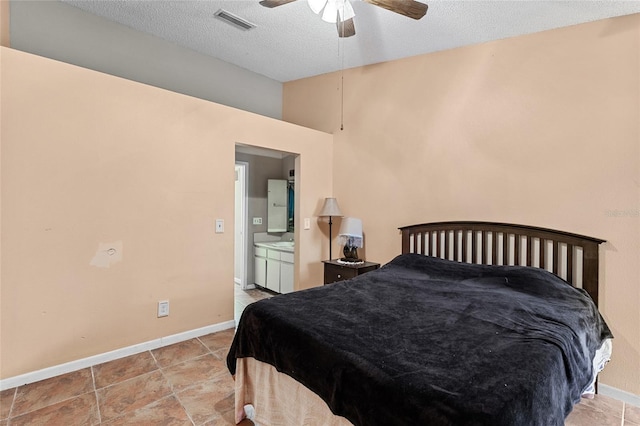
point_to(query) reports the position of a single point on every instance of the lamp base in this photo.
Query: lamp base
(350, 254)
(346, 261)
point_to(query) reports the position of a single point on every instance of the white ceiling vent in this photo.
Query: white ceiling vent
(234, 20)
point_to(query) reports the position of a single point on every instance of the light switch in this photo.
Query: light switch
(219, 226)
(307, 223)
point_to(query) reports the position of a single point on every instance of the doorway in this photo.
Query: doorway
(254, 166)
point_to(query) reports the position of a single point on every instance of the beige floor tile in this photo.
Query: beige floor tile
(252, 295)
(178, 353)
(132, 394)
(219, 340)
(41, 394)
(78, 411)
(210, 400)
(194, 372)
(165, 412)
(604, 404)
(122, 369)
(6, 399)
(600, 411)
(631, 415)
(225, 419)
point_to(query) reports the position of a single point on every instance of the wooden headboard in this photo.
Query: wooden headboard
(570, 256)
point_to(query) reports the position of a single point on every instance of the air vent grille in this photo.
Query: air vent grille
(234, 20)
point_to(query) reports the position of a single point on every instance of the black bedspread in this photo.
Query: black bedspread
(434, 342)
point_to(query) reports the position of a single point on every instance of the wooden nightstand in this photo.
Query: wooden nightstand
(335, 271)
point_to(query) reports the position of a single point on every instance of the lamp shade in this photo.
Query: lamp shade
(351, 232)
(330, 208)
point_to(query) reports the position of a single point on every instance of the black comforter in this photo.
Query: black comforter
(433, 342)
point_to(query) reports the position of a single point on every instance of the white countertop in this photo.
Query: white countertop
(277, 245)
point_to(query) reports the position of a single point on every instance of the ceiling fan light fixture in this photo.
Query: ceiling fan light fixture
(332, 11)
(337, 10)
(345, 10)
(317, 5)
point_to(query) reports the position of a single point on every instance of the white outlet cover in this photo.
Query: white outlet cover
(163, 308)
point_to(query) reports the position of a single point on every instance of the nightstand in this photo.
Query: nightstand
(335, 271)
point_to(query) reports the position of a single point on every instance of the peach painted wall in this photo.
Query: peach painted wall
(539, 130)
(5, 39)
(91, 159)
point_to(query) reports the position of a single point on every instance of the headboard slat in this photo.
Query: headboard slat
(529, 251)
(505, 248)
(570, 263)
(494, 248)
(464, 257)
(474, 247)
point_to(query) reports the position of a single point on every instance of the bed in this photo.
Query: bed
(473, 324)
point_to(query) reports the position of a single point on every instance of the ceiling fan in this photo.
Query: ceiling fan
(341, 12)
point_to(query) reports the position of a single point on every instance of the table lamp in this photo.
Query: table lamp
(350, 235)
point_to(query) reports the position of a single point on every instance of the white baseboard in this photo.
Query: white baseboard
(68, 367)
(618, 394)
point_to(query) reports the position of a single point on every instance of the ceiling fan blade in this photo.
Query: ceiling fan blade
(274, 3)
(412, 9)
(346, 28)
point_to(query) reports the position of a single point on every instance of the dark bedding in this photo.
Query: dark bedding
(434, 342)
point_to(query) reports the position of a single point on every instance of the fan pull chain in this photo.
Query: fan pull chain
(342, 100)
(341, 43)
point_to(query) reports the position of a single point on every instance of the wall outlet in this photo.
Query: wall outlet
(257, 221)
(163, 308)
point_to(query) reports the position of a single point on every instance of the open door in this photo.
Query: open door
(240, 232)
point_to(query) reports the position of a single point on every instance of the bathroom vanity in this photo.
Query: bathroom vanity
(273, 267)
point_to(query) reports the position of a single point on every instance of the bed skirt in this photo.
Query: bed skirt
(277, 399)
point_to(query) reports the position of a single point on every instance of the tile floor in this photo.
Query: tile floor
(184, 384)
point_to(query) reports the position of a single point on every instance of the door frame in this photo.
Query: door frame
(243, 166)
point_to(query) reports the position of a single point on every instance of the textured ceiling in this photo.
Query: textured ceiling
(291, 42)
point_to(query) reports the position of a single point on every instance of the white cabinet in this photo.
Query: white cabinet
(274, 269)
(286, 272)
(260, 266)
(277, 205)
